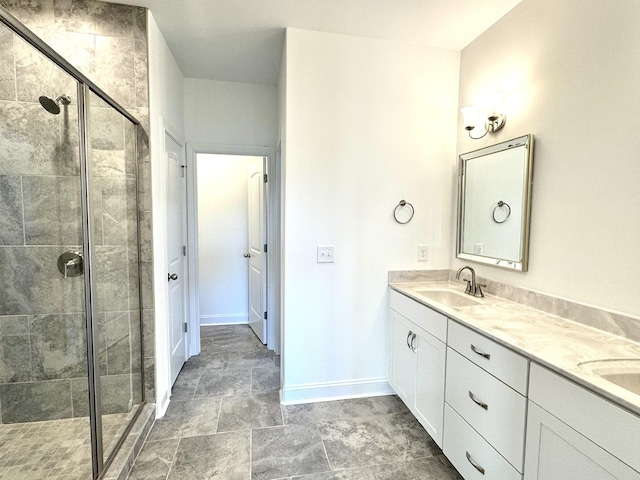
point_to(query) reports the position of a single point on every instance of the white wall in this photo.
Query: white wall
(230, 113)
(165, 102)
(571, 70)
(222, 238)
(368, 123)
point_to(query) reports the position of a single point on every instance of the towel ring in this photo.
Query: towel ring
(501, 204)
(403, 203)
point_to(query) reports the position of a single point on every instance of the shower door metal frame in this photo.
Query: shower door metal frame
(85, 87)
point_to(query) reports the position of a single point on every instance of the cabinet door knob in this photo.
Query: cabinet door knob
(246, 255)
(173, 276)
(409, 336)
(480, 352)
(478, 402)
(474, 464)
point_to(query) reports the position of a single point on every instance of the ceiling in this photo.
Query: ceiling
(241, 40)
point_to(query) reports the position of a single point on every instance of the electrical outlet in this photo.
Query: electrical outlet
(325, 254)
(423, 253)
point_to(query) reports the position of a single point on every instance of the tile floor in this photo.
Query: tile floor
(225, 422)
(55, 449)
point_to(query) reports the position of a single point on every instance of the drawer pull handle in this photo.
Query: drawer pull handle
(413, 339)
(409, 336)
(480, 352)
(474, 464)
(478, 402)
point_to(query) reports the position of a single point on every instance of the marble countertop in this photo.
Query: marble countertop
(557, 343)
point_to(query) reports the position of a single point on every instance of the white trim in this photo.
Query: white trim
(163, 404)
(192, 253)
(224, 319)
(193, 149)
(322, 392)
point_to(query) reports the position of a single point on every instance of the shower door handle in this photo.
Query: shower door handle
(173, 276)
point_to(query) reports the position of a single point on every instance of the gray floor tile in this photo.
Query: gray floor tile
(250, 411)
(265, 379)
(207, 360)
(155, 460)
(422, 469)
(278, 452)
(188, 418)
(223, 456)
(311, 412)
(357, 443)
(221, 383)
(185, 386)
(372, 406)
(409, 436)
(261, 358)
(351, 474)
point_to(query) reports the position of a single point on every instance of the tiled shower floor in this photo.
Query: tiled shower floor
(55, 450)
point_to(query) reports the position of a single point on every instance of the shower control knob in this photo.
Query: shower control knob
(173, 276)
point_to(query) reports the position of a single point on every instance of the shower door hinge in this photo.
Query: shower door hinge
(183, 167)
(265, 178)
(265, 315)
(265, 248)
(184, 250)
(186, 327)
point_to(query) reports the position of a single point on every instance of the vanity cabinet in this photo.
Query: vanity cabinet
(573, 434)
(417, 360)
(485, 406)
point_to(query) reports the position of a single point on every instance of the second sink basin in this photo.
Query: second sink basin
(628, 381)
(448, 297)
(623, 372)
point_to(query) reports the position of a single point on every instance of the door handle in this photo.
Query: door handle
(247, 255)
(408, 337)
(173, 276)
(477, 351)
(413, 339)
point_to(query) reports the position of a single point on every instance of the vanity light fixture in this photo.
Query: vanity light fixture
(490, 114)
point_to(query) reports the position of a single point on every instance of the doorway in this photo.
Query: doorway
(232, 254)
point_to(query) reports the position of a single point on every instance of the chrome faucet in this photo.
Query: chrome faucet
(472, 287)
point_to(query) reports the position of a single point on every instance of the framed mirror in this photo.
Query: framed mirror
(494, 204)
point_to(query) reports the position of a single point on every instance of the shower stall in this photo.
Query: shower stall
(70, 311)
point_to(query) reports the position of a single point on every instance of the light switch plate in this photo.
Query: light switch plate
(423, 253)
(325, 254)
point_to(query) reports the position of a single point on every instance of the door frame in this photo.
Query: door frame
(273, 236)
(159, 178)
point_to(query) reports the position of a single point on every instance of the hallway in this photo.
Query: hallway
(225, 422)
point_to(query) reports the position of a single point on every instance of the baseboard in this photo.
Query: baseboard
(224, 319)
(322, 392)
(162, 405)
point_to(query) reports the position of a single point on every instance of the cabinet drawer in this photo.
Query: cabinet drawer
(431, 321)
(508, 366)
(465, 448)
(494, 410)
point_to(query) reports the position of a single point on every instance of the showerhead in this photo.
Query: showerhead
(53, 106)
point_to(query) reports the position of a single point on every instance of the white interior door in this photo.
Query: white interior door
(176, 241)
(256, 251)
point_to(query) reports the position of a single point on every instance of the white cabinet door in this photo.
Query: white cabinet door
(430, 373)
(402, 367)
(555, 451)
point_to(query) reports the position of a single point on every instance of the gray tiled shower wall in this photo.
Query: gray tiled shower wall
(42, 337)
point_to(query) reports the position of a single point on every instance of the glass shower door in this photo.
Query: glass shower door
(44, 424)
(114, 232)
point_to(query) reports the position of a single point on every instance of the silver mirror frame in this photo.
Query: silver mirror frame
(521, 264)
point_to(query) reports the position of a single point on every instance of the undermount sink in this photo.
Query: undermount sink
(448, 297)
(623, 372)
(628, 381)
